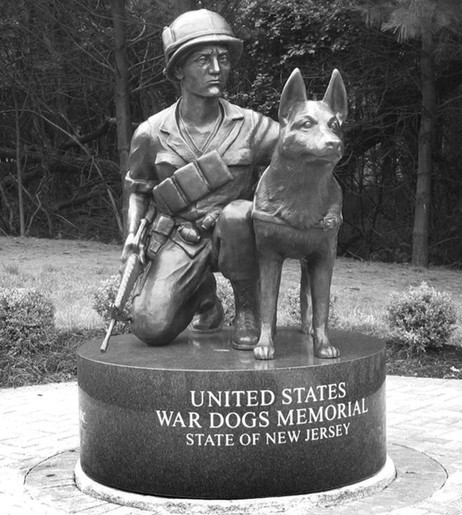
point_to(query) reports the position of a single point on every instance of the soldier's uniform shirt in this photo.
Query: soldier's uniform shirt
(245, 140)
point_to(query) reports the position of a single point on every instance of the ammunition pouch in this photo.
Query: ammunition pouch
(191, 182)
(161, 228)
(187, 185)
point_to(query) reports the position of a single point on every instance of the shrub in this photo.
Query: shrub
(26, 321)
(422, 318)
(226, 295)
(56, 363)
(103, 299)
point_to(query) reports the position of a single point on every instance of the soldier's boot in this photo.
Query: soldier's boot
(246, 321)
(210, 315)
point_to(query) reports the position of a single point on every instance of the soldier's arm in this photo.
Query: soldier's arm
(137, 207)
(139, 181)
(265, 137)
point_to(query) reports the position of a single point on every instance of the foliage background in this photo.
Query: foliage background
(58, 140)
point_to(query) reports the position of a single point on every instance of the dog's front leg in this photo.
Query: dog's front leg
(270, 280)
(320, 273)
(305, 300)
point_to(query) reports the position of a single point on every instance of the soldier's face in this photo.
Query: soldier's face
(205, 72)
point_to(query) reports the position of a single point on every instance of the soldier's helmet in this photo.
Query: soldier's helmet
(194, 28)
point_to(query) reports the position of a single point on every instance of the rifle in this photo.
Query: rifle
(133, 268)
(188, 184)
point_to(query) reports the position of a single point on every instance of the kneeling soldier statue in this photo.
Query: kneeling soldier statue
(193, 165)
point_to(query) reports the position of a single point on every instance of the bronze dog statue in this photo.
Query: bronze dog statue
(297, 209)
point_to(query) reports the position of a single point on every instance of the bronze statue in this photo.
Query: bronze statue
(298, 209)
(196, 161)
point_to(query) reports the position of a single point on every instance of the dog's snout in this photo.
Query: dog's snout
(334, 145)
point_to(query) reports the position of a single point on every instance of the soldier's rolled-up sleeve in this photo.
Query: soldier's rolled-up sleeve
(141, 176)
(265, 137)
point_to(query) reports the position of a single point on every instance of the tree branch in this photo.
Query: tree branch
(86, 138)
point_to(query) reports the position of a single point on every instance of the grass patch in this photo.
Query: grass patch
(56, 364)
(11, 269)
(443, 363)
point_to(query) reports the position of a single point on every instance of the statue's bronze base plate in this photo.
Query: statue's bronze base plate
(199, 419)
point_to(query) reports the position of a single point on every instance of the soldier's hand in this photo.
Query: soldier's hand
(129, 247)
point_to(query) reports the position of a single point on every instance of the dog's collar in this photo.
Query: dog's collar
(273, 219)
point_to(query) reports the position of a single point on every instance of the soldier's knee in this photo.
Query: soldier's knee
(152, 326)
(236, 212)
(152, 331)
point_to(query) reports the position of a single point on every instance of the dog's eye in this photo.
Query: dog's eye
(334, 125)
(307, 124)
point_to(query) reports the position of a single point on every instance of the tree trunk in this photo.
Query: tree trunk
(122, 93)
(424, 166)
(19, 168)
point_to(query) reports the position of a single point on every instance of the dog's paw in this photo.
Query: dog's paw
(306, 329)
(326, 351)
(263, 352)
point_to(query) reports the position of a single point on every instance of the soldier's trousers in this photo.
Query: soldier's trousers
(179, 278)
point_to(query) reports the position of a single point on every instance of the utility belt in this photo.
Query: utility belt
(174, 194)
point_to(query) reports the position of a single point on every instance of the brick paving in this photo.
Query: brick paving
(39, 433)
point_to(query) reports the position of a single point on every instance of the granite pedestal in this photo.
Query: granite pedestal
(198, 419)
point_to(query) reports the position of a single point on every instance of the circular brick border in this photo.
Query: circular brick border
(418, 477)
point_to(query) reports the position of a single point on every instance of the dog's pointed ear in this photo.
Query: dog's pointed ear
(294, 91)
(336, 97)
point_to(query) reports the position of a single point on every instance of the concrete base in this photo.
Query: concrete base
(267, 506)
(200, 420)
